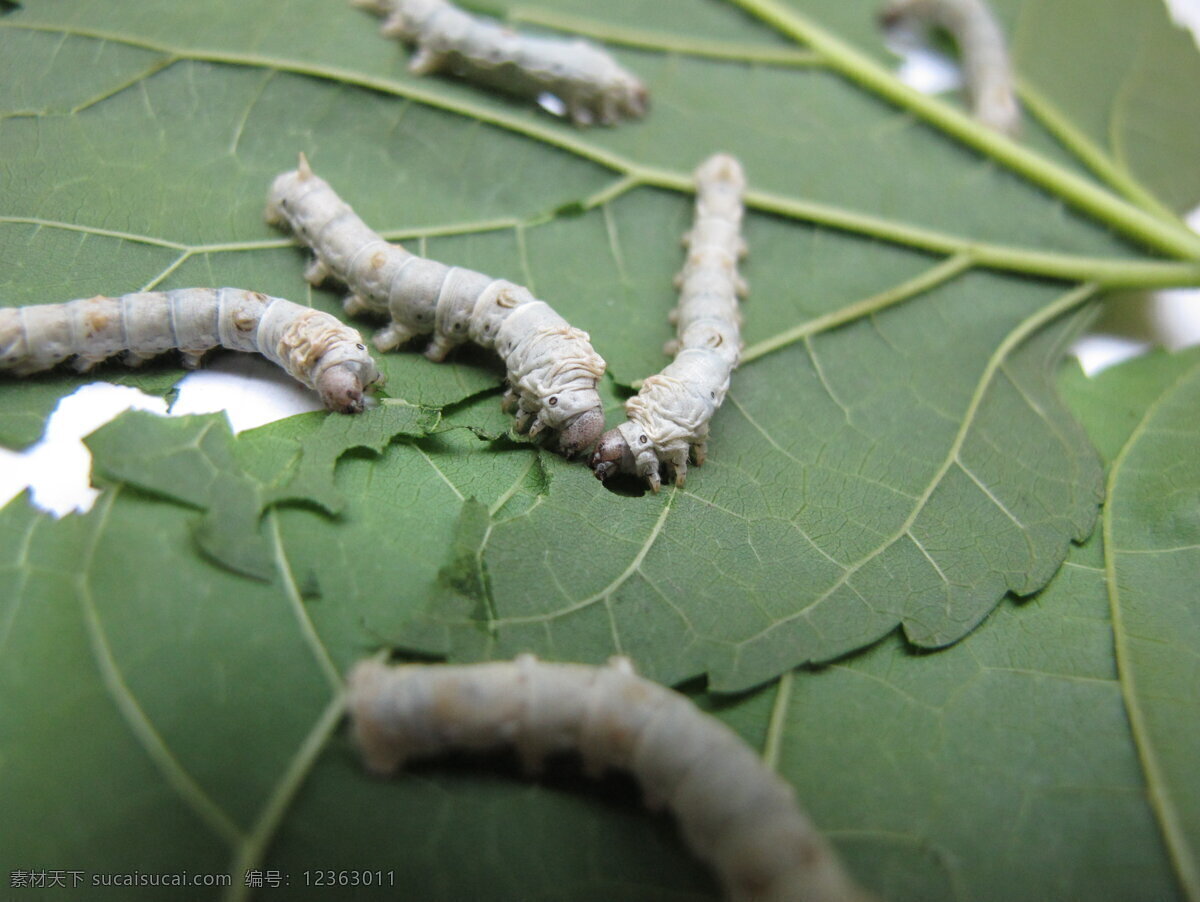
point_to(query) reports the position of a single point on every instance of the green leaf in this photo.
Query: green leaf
(1006, 767)
(179, 698)
(892, 454)
(846, 458)
(654, 577)
(1152, 543)
(1002, 768)
(193, 461)
(1115, 94)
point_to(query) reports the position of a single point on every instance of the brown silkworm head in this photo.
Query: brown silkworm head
(612, 455)
(581, 432)
(342, 384)
(634, 98)
(341, 389)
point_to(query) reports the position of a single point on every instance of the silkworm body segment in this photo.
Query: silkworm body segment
(732, 811)
(671, 413)
(551, 367)
(313, 347)
(590, 83)
(987, 68)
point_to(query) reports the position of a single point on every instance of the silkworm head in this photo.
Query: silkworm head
(612, 455)
(635, 99)
(341, 389)
(276, 199)
(342, 384)
(893, 13)
(580, 431)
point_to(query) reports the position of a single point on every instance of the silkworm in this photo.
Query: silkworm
(313, 347)
(733, 812)
(670, 415)
(589, 82)
(987, 68)
(552, 369)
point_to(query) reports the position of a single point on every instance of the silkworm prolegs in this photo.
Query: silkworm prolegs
(590, 83)
(671, 413)
(552, 369)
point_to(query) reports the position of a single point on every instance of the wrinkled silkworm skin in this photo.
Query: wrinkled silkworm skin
(551, 366)
(589, 82)
(313, 347)
(670, 415)
(987, 68)
(733, 812)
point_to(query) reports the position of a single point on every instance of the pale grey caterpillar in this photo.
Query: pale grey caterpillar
(987, 69)
(313, 347)
(551, 366)
(733, 812)
(670, 415)
(588, 81)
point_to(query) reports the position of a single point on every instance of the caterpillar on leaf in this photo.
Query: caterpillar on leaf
(670, 415)
(733, 812)
(987, 68)
(313, 347)
(589, 82)
(551, 366)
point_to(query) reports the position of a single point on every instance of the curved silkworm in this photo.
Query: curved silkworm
(552, 368)
(589, 82)
(313, 347)
(733, 812)
(987, 68)
(671, 412)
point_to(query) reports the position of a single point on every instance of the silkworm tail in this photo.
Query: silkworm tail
(382, 752)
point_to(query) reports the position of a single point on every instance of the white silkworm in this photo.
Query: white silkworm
(585, 78)
(552, 369)
(313, 347)
(672, 411)
(987, 68)
(733, 812)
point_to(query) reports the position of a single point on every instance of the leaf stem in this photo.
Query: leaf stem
(611, 192)
(943, 272)
(1103, 271)
(190, 792)
(1092, 155)
(291, 592)
(91, 230)
(250, 852)
(665, 42)
(1027, 327)
(778, 722)
(1166, 237)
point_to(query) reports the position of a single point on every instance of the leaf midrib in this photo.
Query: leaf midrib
(1104, 270)
(1014, 339)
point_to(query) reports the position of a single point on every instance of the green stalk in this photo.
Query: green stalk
(248, 854)
(1103, 271)
(662, 41)
(1122, 216)
(1092, 156)
(778, 722)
